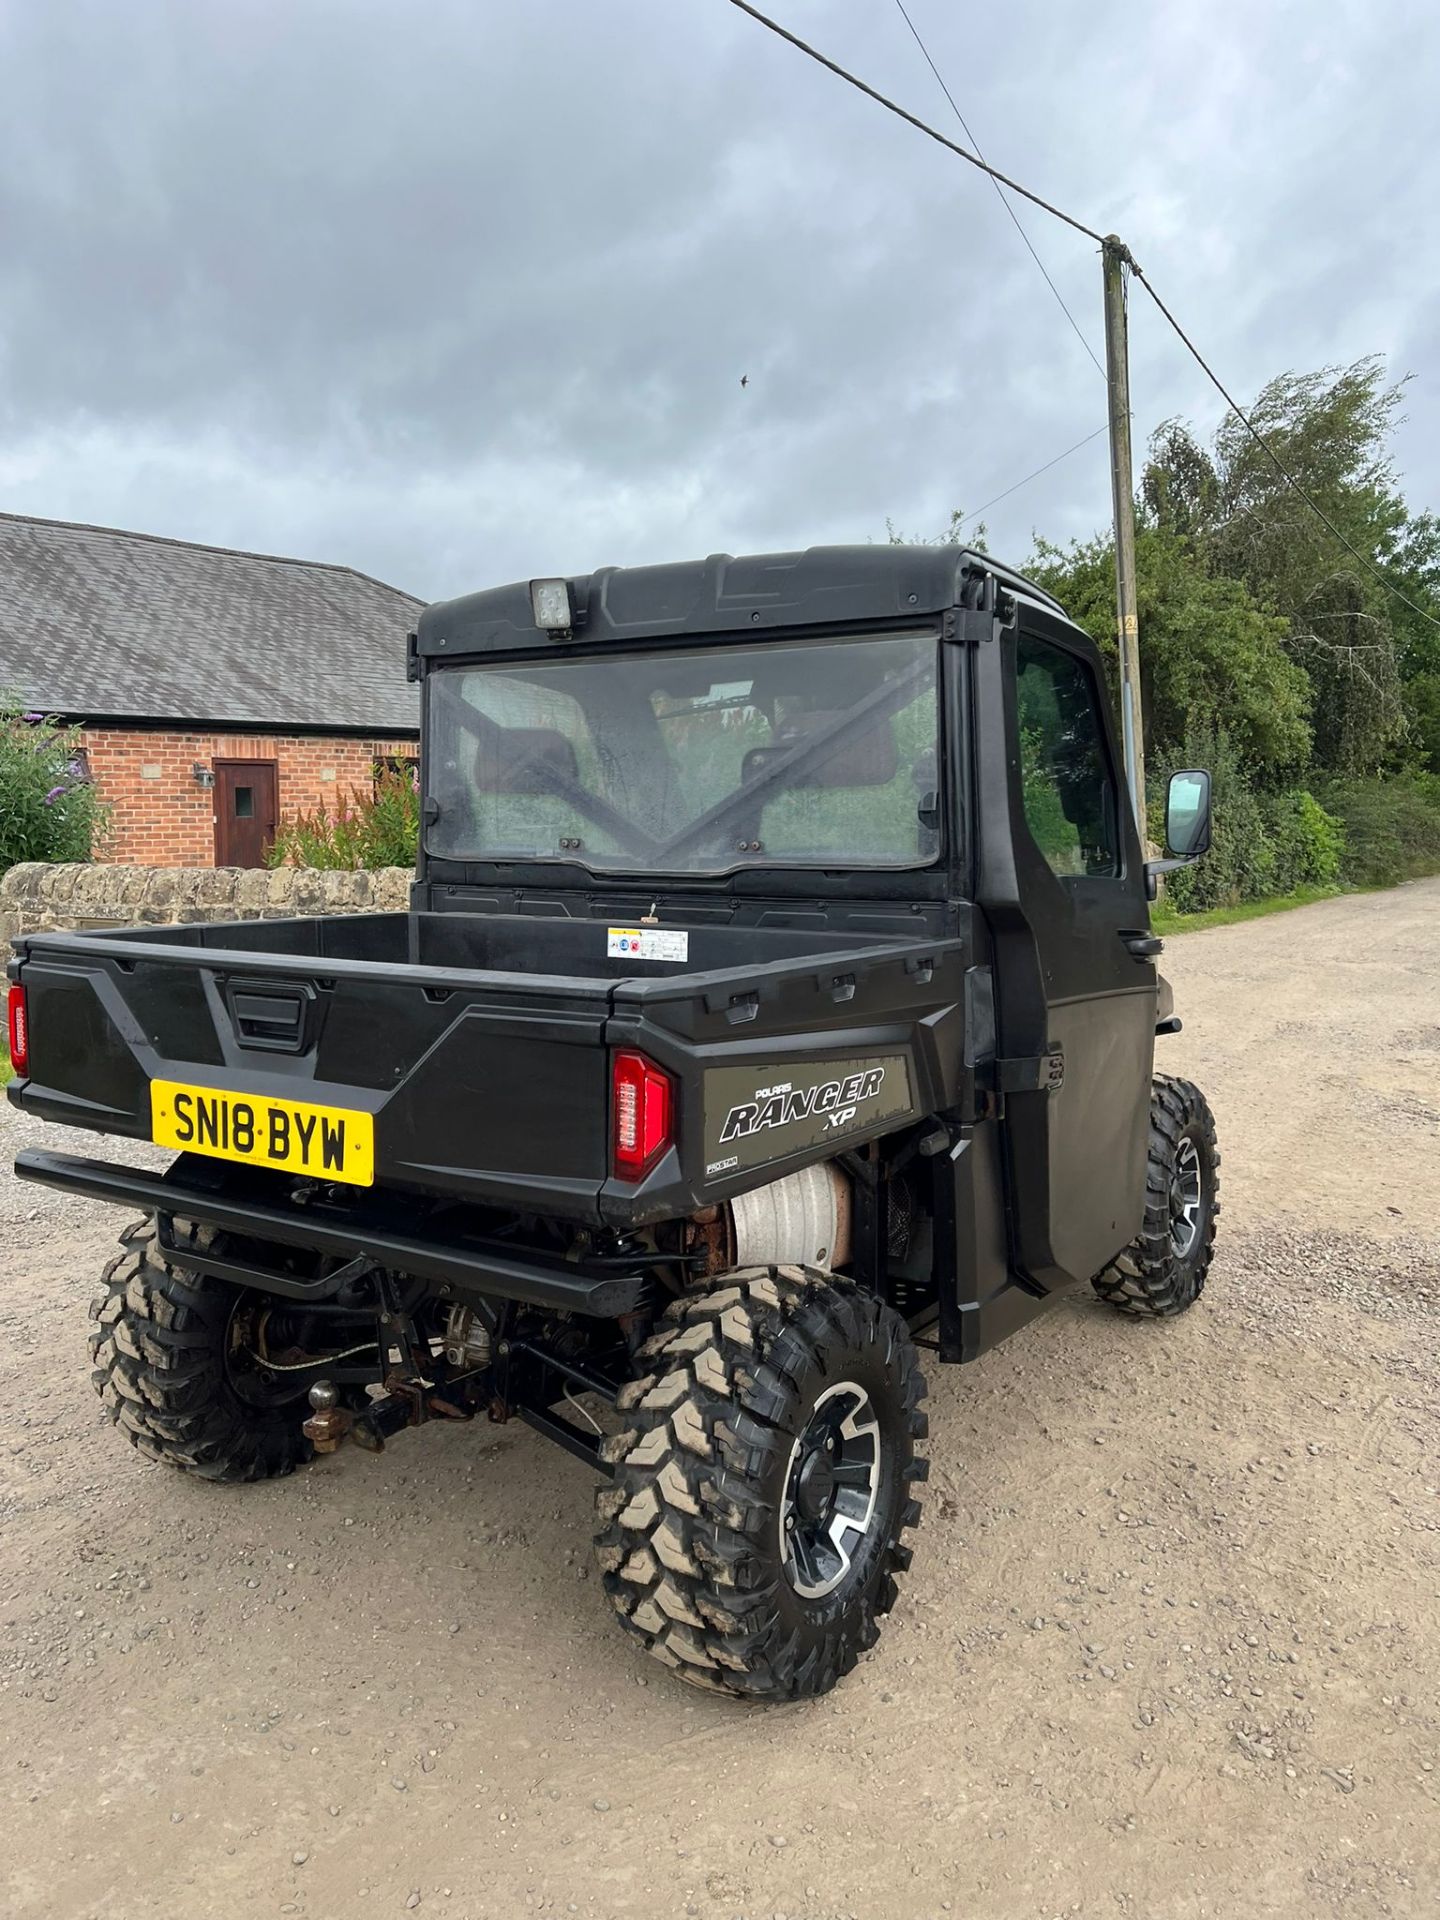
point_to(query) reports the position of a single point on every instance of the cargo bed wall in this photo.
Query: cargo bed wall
(796, 1064)
(525, 944)
(485, 1065)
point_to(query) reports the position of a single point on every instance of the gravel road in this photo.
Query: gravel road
(1169, 1649)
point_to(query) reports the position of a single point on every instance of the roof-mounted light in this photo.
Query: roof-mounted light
(552, 604)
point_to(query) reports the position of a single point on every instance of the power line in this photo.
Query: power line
(921, 126)
(999, 190)
(1269, 453)
(1004, 180)
(1034, 476)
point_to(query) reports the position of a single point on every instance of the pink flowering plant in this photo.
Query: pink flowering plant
(48, 807)
(367, 829)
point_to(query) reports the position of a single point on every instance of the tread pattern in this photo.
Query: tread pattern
(157, 1362)
(1147, 1279)
(687, 1537)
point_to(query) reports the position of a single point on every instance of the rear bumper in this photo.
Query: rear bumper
(462, 1267)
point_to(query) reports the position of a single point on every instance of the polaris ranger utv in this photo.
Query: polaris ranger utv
(777, 997)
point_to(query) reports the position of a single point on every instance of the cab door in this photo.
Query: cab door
(1076, 986)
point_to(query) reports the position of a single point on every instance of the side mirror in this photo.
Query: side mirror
(1187, 825)
(1187, 814)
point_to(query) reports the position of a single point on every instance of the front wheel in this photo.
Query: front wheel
(1162, 1272)
(763, 1481)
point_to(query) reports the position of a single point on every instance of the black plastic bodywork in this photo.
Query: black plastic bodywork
(1009, 1014)
(488, 1083)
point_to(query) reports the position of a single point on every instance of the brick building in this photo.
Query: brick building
(217, 690)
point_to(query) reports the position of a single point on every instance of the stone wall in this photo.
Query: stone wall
(37, 898)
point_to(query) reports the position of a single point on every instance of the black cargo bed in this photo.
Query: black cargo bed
(510, 944)
(482, 1044)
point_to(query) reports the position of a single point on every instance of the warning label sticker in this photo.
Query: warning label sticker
(647, 943)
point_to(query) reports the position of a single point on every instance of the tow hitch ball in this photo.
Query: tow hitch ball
(405, 1403)
(329, 1421)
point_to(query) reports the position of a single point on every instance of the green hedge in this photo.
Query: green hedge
(1264, 843)
(1353, 833)
(1391, 828)
(1307, 842)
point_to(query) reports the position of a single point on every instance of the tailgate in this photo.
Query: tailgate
(490, 1086)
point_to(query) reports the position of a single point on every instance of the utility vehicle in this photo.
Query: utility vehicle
(777, 998)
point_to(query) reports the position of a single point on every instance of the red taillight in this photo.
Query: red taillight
(19, 1031)
(642, 1115)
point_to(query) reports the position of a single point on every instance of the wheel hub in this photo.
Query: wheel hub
(1186, 1195)
(831, 1487)
(815, 1489)
(262, 1365)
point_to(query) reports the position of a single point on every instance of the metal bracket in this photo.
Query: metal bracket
(243, 1273)
(1039, 1073)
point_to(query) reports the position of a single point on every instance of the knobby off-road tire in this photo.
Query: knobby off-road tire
(160, 1357)
(779, 1371)
(1163, 1271)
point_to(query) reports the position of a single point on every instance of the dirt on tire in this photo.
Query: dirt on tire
(688, 1539)
(1168, 1650)
(157, 1360)
(1151, 1277)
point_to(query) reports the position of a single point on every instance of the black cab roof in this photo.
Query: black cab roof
(726, 595)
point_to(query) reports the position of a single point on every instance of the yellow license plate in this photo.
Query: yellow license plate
(331, 1143)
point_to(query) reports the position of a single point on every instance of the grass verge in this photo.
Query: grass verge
(1164, 919)
(7, 1072)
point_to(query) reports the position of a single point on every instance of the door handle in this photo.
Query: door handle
(1141, 945)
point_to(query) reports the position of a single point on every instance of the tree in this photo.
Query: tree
(1207, 649)
(954, 535)
(1296, 653)
(1414, 572)
(1243, 521)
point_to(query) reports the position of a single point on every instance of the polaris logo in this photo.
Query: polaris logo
(834, 1100)
(816, 1108)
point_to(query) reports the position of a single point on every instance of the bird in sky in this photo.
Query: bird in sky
(744, 379)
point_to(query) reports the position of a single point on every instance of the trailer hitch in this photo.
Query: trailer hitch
(328, 1422)
(405, 1403)
(526, 1380)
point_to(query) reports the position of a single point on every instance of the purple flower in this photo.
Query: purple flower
(32, 719)
(54, 794)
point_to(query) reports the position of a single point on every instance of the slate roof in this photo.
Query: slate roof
(98, 623)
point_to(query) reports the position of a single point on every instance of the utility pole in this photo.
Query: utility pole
(1117, 368)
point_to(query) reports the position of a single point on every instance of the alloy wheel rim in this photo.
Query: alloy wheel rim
(832, 1486)
(1187, 1192)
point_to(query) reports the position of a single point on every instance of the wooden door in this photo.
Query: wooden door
(246, 811)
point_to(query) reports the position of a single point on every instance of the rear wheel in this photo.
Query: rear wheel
(763, 1481)
(177, 1361)
(1163, 1271)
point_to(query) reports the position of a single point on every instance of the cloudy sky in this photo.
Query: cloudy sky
(464, 291)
